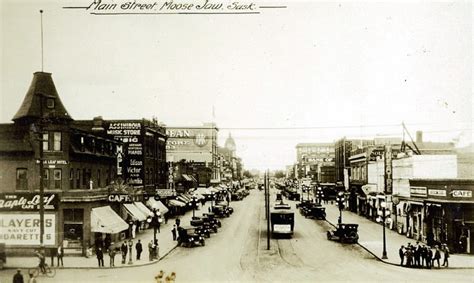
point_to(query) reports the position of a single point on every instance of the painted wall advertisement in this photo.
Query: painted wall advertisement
(188, 139)
(23, 229)
(130, 157)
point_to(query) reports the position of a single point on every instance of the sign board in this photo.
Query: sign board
(121, 198)
(418, 191)
(461, 194)
(437, 193)
(388, 169)
(130, 157)
(188, 139)
(23, 229)
(27, 202)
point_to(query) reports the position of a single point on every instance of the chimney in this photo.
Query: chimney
(98, 124)
(419, 136)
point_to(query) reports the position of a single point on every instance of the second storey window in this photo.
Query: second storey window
(45, 141)
(57, 141)
(57, 174)
(21, 179)
(46, 178)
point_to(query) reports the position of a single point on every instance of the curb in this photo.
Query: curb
(394, 264)
(96, 267)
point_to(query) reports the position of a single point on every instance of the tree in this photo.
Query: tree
(279, 174)
(247, 174)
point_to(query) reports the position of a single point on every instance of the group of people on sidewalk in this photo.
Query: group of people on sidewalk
(126, 249)
(420, 255)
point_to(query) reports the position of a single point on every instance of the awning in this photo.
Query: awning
(143, 208)
(188, 178)
(182, 199)
(105, 220)
(177, 203)
(156, 204)
(134, 212)
(369, 188)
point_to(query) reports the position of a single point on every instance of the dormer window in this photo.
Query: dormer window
(50, 103)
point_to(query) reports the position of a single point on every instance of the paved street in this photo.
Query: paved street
(238, 253)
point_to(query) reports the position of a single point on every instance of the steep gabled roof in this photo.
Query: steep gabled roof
(42, 85)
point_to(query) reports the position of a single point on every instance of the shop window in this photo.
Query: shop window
(57, 176)
(73, 226)
(21, 179)
(57, 141)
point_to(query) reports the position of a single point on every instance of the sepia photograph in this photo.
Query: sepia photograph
(236, 141)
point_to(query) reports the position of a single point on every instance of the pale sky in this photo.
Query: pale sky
(318, 70)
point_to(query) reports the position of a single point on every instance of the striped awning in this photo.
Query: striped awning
(105, 220)
(135, 212)
(176, 203)
(158, 205)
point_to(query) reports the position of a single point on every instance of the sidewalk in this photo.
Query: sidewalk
(371, 239)
(165, 241)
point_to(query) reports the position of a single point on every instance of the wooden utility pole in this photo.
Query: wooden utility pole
(268, 210)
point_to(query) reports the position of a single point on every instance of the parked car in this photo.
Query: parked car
(212, 217)
(220, 211)
(202, 228)
(345, 233)
(188, 237)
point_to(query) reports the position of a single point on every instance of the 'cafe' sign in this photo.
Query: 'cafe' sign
(121, 198)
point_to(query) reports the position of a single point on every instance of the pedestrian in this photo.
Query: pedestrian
(60, 254)
(159, 277)
(124, 250)
(134, 230)
(417, 254)
(423, 253)
(52, 254)
(437, 256)
(137, 226)
(158, 224)
(112, 253)
(18, 277)
(139, 249)
(402, 254)
(409, 256)
(99, 243)
(429, 257)
(173, 276)
(446, 255)
(166, 218)
(156, 249)
(107, 242)
(173, 231)
(32, 278)
(178, 221)
(150, 250)
(100, 257)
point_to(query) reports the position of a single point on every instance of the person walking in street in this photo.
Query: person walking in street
(437, 256)
(139, 249)
(18, 277)
(60, 254)
(409, 256)
(446, 255)
(166, 218)
(134, 230)
(401, 252)
(417, 254)
(112, 253)
(100, 257)
(150, 250)
(423, 252)
(124, 250)
(156, 250)
(173, 231)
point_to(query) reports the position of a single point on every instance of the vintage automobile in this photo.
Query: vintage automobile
(318, 212)
(212, 217)
(202, 228)
(220, 211)
(345, 233)
(188, 237)
(303, 203)
(228, 208)
(294, 196)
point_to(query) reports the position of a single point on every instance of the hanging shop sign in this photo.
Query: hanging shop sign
(121, 198)
(418, 191)
(388, 169)
(437, 193)
(461, 194)
(20, 229)
(27, 202)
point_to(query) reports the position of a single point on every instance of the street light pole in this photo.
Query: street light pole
(384, 252)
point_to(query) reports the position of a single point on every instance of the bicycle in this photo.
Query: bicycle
(50, 271)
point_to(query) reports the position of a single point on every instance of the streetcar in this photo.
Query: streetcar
(282, 220)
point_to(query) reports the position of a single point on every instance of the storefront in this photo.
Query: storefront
(447, 214)
(20, 221)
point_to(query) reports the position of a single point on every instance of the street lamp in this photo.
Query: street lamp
(340, 202)
(320, 194)
(384, 252)
(153, 221)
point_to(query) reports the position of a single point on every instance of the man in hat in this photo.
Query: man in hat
(446, 255)
(18, 277)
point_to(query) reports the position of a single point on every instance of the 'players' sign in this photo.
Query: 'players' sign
(24, 229)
